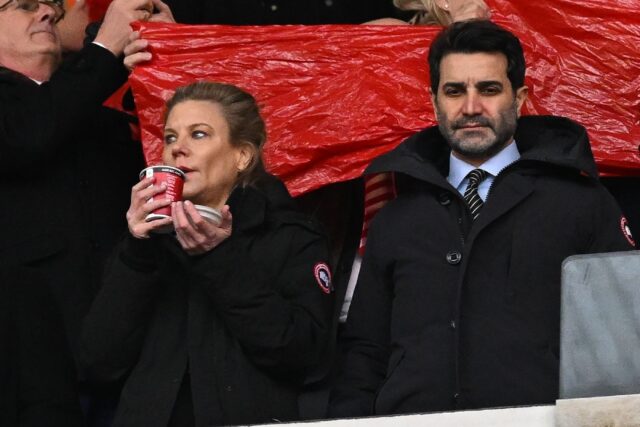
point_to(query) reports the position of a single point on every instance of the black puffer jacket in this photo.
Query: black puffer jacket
(453, 315)
(244, 323)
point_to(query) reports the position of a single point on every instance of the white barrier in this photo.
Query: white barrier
(618, 411)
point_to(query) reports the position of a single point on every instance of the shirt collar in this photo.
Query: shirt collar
(459, 169)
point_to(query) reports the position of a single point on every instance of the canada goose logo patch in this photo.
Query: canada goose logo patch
(323, 277)
(624, 226)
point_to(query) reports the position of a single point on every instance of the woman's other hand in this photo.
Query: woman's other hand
(141, 206)
(195, 234)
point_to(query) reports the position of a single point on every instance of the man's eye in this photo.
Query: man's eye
(452, 92)
(491, 90)
(29, 6)
(169, 139)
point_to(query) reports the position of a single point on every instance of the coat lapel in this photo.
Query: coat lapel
(506, 196)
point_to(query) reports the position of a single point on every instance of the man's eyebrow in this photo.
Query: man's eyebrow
(486, 83)
(455, 85)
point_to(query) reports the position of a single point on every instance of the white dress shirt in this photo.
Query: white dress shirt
(459, 169)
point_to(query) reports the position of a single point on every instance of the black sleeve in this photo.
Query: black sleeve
(114, 329)
(282, 320)
(610, 230)
(366, 336)
(37, 378)
(36, 119)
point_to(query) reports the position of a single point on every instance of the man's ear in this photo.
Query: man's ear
(521, 96)
(434, 101)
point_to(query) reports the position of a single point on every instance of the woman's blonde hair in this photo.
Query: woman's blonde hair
(427, 12)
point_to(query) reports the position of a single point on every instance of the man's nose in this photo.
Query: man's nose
(472, 104)
(46, 12)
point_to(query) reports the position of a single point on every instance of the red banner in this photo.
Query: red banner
(336, 96)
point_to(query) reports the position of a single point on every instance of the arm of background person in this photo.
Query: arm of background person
(36, 120)
(451, 11)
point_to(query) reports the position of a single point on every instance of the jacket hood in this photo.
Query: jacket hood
(555, 141)
(250, 205)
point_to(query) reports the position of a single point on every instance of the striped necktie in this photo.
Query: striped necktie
(379, 188)
(471, 196)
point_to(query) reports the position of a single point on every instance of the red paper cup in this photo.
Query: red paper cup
(173, 178)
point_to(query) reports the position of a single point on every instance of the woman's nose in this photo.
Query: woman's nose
(178, 148)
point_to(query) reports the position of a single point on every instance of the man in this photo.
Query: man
(458, 300)
(68, 165)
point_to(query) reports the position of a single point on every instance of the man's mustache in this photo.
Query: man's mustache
(477, 121)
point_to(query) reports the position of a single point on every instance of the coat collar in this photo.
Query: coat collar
(549, 140)
(8, 75)
(251, 205)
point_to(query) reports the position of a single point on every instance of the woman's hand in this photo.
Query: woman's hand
(462, 10)
(195, 234)
(140, 207)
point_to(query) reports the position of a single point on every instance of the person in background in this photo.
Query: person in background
(66, 161)
(457, 304)
(219, 323)
(72, 27)
(438, 12)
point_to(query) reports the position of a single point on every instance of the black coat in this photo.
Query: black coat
(67, 168)
(37, 382)
(245, 323)
(453, 315)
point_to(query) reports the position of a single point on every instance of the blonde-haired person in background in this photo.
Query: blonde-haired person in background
(438, 12)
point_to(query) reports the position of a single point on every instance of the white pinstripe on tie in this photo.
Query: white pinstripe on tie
(471, 196)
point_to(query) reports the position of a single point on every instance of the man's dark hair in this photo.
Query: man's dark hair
(473, 37)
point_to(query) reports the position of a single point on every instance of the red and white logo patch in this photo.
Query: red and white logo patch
(624, 226)
(323, 277)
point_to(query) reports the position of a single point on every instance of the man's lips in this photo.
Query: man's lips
(45, 29)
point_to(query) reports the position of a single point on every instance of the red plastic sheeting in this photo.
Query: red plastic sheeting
(335, 97)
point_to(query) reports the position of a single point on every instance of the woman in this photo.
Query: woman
(438, 12)
(218, 324)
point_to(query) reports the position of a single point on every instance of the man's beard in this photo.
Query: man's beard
(468, 145)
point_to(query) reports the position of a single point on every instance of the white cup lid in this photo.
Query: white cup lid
(210, 214)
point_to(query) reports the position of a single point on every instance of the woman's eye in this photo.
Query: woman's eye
(169, 139)
(198, 134)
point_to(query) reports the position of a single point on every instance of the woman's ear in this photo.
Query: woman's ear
(245, 154)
